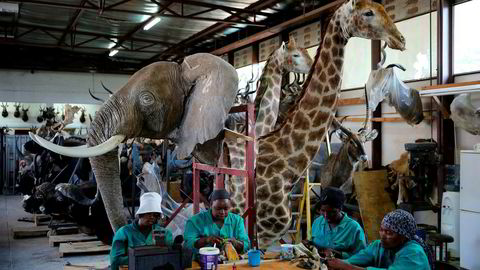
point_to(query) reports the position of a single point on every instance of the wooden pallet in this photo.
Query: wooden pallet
(83, 248)
(26, 232)
(103, 264)
(64, 230)
(40, 219)
(55, 240)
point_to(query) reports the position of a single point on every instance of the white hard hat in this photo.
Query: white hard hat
(150, 202)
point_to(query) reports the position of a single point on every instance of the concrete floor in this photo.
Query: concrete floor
(31, 253)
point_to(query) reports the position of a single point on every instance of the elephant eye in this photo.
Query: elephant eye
(368, 13)
(146, 98)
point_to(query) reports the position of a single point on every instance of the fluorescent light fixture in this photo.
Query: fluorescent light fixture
(112, 53)
(152, 23)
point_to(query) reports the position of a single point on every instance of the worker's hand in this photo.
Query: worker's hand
(238, 245)
(214, 240)
(326, 252)
(337, 264)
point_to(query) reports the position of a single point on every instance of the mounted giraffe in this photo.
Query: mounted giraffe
(287, 58)
(287, 152)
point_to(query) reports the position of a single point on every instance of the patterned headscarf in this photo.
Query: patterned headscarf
(403, 223)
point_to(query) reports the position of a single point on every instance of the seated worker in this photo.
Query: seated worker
(139, 232)
(398, 248)
(216, 225)
(334, 233)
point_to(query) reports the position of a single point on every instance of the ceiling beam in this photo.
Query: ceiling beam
(87, 33)
(73, 21)
(310, 16)
(69, 6)
(221, 7)
(8, 41)
(259, 5)
(141, 25)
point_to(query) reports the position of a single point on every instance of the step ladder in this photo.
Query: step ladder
(296, 234)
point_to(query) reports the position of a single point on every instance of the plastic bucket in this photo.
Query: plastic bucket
(254, 258)
(209, 258)
(287, 252)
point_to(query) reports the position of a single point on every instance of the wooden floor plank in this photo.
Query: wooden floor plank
(25, 232)
(83, 248)
(55, 240)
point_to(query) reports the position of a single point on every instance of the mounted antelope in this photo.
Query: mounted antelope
(25, 114)
(4, 111)
(40, 116)
(339, 169)
(17, 110)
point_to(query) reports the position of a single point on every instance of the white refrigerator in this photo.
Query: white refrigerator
(470, 210)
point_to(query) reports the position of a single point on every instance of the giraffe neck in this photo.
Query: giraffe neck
(287, 152)
(268, 95)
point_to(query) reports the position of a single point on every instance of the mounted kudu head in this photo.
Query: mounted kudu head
(17, 110)
(25, 114)
(4, 111)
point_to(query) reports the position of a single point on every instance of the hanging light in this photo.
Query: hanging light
(112, 53)
(152, 23)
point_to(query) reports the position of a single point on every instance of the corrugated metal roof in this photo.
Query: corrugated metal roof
(96, 27)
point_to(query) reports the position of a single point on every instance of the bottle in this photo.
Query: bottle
(234, 267)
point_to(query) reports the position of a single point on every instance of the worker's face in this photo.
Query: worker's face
(148, 219)
(220, 209)
(330, 213)
(390, 239)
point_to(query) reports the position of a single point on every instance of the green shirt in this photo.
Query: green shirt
(410, 256)
(130, 236)
(347, 237)
(202, 225)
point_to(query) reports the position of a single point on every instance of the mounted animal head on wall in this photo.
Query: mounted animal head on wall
(82, 116)
(17, 110)
(40, 116)
(4, 111)
(25, 114)
(49, 113)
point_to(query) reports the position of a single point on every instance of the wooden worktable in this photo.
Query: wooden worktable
(243, 264)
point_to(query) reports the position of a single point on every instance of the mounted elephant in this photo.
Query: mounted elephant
(186, 103)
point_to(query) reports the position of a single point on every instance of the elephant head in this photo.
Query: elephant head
(187, 103)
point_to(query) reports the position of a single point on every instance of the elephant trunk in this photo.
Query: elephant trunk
(106, 167)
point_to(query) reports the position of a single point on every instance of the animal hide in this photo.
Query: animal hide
(465, 115)
(400, 177)
(383, 84)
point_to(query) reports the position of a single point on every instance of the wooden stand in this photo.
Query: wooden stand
(26, 232)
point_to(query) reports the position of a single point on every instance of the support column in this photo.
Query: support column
(377, 143)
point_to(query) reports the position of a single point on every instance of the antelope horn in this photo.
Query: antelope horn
(94, 97)
(80, 151)
(367, 108)
(106, 89)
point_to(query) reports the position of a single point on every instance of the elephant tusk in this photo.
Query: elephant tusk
(80, 151)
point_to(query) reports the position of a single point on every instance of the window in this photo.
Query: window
(466, 54)
(357, 64)
(250, 75)
(420, 61)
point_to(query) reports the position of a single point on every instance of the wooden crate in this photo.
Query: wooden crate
(174, 191)
(26, 232)
(55, 240)
(83, 248)
(373, 201)
(40, 219)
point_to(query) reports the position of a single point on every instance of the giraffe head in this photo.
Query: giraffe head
(367, 19)
(297, 59)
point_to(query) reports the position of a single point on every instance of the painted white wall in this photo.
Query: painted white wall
(54, 86)
(49, 88)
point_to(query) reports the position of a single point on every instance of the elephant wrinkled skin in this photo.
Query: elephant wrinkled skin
(187, 103)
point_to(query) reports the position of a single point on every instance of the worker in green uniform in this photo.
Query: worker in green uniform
(212, 227)
(139, 232)
(398, 248)
(334, 233)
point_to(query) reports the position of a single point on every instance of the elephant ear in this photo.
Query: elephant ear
(214, 84)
